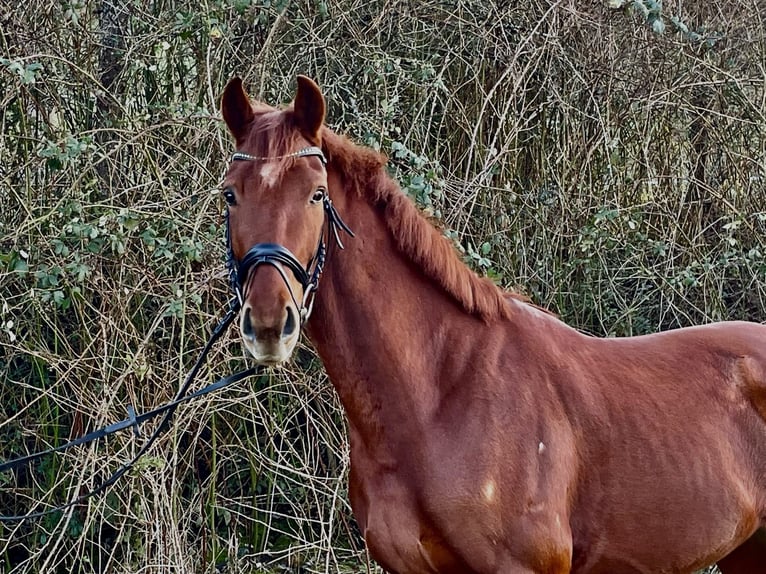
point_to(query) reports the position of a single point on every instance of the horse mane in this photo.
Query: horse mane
(414, 235)
(363, 170)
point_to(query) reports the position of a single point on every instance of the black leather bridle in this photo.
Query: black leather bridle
(279, 256)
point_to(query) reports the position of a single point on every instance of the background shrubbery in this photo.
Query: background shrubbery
(608, 158)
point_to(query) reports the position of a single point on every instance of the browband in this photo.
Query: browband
(305, 152)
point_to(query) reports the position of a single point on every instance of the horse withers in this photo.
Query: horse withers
(486, 435)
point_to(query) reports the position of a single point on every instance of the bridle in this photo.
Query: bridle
(279, 256)
(260, 254)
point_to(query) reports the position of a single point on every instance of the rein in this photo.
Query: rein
(260, 254)
(134, 421)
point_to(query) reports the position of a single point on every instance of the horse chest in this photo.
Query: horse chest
(439, 518)
(408, 533)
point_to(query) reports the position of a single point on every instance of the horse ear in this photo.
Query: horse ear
(236, 109)
(309, 109)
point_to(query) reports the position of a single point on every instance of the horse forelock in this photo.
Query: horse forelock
(272, 135)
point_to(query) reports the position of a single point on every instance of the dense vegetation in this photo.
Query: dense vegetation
(607, 158)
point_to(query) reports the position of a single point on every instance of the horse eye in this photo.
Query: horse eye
(228, 195)
(318, 196)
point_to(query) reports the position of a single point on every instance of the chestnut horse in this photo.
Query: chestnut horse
(486, 435)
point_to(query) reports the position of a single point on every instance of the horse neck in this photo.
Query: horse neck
(382, 329)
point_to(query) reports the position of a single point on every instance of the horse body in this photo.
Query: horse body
(476, 445)
(486, 435)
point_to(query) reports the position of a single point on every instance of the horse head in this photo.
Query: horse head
(279, 215)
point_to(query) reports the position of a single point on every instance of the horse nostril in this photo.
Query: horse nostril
(290, 323)
(247, 324)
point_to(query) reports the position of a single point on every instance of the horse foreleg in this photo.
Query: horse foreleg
(747, 558)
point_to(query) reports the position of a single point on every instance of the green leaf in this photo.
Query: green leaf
(21, 267)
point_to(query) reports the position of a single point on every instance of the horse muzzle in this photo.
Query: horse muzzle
(269, 320)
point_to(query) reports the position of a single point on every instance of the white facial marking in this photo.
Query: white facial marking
(540, 447)
(269, 173)
(488, 490)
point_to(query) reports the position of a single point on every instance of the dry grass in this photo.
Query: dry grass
(615, 174)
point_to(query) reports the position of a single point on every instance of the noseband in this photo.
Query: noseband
(279, 256)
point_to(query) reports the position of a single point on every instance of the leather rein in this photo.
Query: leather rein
(272, 254)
